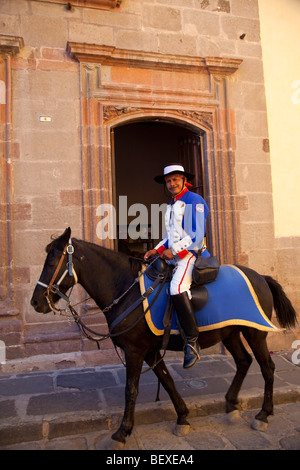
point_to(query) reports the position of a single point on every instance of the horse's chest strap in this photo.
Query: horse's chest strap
(137, 302)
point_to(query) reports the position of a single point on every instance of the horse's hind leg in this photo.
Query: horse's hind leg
(167, 382)
(243, 361)
(257, 341)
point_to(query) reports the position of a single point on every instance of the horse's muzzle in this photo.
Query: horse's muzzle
(39, 302)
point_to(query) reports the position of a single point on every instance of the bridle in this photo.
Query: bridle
(90, 334)
(53, 287)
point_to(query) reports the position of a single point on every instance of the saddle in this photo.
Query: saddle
(161, 267)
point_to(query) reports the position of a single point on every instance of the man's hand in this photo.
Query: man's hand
(167, 254)
(149, 254)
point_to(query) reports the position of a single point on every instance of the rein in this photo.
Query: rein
(103, 336)
(88, 332)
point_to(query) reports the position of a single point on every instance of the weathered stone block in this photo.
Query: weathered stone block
(254, 178)
(251, 123)
(260, 208)
(233, 28)
(177, 44)
(71, 197)
(22, 211)
(216, 6)
(49, 145)
(161, 17)
(245, 8)
(96, 34)
(120, 19)
(250, 150)
(251, 70)
(250, 96)
(43, 30)
(31, 179)
(207, 24)
(136, 40)
(257, 236)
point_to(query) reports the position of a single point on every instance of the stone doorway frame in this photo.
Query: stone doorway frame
(9, 47)
(170, 122)
(105, 105)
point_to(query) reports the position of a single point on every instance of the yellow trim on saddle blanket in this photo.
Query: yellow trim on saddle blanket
(146, 305)
(222, 324)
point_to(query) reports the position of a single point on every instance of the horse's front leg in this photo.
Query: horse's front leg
(161, 371)
(134, 364)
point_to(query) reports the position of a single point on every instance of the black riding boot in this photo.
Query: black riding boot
(186, 317)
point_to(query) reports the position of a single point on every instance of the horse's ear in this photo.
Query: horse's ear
(63, 239)
(67, 234)
(60, 242)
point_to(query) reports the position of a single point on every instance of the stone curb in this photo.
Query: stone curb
(51, 427)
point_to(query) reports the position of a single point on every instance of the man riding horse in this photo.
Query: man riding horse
(185, 222)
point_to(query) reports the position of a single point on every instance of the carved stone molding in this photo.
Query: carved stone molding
(110, 55)
(198, 116)
(112, 112)
(10, 44)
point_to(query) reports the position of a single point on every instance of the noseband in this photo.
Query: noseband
(54, 288)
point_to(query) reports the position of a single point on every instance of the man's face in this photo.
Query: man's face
(174, 184)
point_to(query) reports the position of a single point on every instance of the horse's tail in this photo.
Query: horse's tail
(285, 311)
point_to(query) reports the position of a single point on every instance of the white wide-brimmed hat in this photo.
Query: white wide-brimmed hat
(173, 169)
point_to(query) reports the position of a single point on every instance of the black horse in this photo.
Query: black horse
(106, 275)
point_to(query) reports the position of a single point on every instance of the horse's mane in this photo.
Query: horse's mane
(124, 259)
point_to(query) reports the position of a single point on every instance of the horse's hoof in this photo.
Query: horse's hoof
(182, 429)
(115, 445)
(233, 416)
(259, 425)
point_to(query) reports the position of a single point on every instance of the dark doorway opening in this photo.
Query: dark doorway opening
(141, 150)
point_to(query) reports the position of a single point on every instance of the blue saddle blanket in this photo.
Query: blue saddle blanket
(231, 301)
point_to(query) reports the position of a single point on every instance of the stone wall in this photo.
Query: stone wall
(75, 73)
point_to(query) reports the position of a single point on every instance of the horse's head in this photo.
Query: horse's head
(55, 274)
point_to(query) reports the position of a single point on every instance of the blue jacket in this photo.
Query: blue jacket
(185, 222)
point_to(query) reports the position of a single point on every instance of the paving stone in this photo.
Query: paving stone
(68, 427)
(204, 369)
(147, 394)
(26, 385)
(213, 385)
(290, 377)
(67, 444)
(248, 440)
(22, 433)
(85, 381)
(145, 378)
(7, 409)
(112, 396)
(205, 440)
(291, 442)
(63, 402)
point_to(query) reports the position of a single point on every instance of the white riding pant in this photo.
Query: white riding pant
(182, 275)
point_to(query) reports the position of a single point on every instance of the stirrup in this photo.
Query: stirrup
(191, 354)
